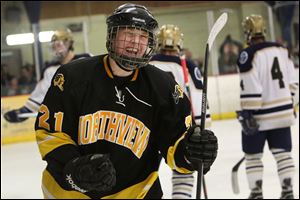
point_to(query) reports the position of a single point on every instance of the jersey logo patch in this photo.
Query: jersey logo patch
(197, 73)
(120, 97)
(178, 93)
(243, 57)
(58, 81)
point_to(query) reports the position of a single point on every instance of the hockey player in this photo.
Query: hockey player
(170, 44)
(105, 119)
(267, 88)
(63, 50)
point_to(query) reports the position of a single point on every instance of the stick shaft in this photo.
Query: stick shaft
(187, 87)
(217, 27)
(204, 91)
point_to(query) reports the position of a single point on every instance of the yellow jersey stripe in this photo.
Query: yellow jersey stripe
(47, 142)
(138, 191)
(109, 73)
(170, 157)
(52, 189)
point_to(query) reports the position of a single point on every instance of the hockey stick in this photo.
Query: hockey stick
(26, 115)
(234, 177)
(187, 87)
(217, 27)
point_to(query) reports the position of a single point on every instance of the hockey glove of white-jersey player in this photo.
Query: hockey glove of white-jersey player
(200, 147)
(249, 124)
(93, 172)
(13, 115)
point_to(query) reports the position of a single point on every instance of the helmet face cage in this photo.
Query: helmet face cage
(61, 44)
(254, 27)
(65, 36)
(131, 38)
(170, 38)
(118, 51)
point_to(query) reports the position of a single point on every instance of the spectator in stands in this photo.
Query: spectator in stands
(229, 52)
(27, 80)
(6, 77)
(13, 87)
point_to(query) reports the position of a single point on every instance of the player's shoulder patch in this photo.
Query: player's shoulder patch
(59, 81)
(243, 57)
(195, 74)
(178, 93)
(245, 60)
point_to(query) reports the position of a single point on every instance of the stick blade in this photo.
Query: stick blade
(234, 177)
(27, 115)
(218, 25)
(234, 182)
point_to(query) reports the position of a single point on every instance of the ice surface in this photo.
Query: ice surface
(21, 168)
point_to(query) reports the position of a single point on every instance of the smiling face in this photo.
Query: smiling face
(130, 42)
(130, 46)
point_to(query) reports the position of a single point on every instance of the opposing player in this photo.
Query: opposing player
(267, 89)
(170, 44)
(105, 119)
(62, 47)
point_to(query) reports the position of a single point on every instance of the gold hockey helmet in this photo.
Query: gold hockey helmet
(64, 35)
(170, 38)
(254, 26)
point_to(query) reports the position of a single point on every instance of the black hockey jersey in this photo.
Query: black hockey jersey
(87, 110)
(36, 97)
(172, 65)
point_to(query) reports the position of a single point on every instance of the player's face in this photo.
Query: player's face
(60, 49)
(131, 42)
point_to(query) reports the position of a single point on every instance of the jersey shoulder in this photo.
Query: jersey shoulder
(80, 70)
(163, 85)
(246, 56)
(162, 81)
(82, 55)
(157, 74)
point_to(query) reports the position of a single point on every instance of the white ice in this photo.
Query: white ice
(21, 168)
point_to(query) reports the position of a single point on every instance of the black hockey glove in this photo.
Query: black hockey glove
(200, 147)
(249, 124)
(12, 116)
(90, 172)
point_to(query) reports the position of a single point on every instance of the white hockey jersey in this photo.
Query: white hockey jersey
(41, 88)
(268, 83)
(172, 64)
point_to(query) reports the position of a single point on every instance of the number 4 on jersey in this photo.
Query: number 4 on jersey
(276, 73)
